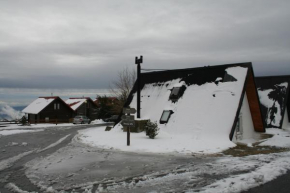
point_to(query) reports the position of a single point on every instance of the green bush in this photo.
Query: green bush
(23, 120)
(151, 129)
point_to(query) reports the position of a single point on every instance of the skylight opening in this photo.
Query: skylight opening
(165, 116)
(176, 93)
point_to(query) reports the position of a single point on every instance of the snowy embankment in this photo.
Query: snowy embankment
(163, 143)
(281, 138)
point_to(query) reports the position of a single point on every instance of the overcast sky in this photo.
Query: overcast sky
(83, 44)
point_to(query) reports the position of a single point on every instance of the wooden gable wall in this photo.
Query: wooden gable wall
(254, 102)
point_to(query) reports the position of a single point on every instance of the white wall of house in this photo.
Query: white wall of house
(286, 124)
(247, 132)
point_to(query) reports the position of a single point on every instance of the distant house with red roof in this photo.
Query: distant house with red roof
(50, 109)
(83, 106)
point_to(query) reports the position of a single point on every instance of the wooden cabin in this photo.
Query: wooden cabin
(49, 110)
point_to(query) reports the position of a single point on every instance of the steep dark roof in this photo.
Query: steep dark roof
(202, 75)
(279, 94)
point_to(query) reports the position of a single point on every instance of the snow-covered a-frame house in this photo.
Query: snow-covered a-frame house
(83, 106)
(275, 100)
(48, 109)
(209, 106)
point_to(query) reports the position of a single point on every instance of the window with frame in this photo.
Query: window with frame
(54, 106)
(165, 116)
(58, 106)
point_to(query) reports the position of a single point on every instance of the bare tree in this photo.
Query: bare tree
(122, 86)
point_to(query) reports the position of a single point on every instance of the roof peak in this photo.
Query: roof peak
(49, 97)
(247, 64)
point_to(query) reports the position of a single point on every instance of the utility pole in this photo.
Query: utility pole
(138, 62)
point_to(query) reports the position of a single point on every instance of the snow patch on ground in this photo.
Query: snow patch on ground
(54, 144)
(17, 131)
(163, 143)
(35, 126)
(281, 138)
(264, 173)
(9, 162)
(14, 188)
(97, 121)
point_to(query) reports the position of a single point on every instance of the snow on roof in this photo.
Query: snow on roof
(274, 98)
(75, 103)
(38, 105)
(203, 115)
(273, 93)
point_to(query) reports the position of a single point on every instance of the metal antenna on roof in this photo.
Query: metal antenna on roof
(138, 62)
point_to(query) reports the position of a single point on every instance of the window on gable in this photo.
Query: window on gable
(165, 116)
(176, 93)
(54, 106)
(58, 106)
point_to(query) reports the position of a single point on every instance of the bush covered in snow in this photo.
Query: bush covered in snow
(151, 129)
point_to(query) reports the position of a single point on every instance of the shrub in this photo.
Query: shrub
(151, 129)
(23, 120)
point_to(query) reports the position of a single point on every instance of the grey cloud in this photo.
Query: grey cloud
(75, 45)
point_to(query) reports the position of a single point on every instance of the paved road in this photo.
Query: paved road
(74, 167)
(13, 145)
(280, 184)
(69, 165)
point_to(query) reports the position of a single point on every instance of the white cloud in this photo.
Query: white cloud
(9, 113)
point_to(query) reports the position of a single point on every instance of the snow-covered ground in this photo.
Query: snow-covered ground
(17, 131)
(86, 167)
(34, 126)
(281, 138)
(163, 143)
(11, 129)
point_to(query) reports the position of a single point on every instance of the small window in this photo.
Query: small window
(176, 93)
(54, 106)
(58, 106)
(165, 116)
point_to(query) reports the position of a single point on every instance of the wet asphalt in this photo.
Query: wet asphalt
(13, 145)
(108, 164)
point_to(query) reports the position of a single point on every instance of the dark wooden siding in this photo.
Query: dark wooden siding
(254, 103)
(63, 114)
(88, 109)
